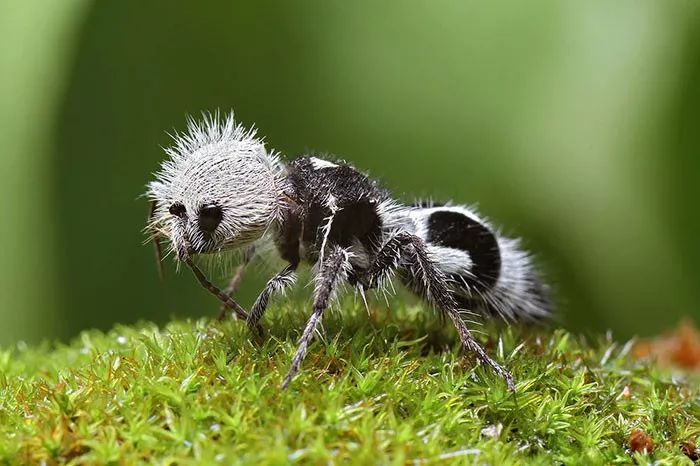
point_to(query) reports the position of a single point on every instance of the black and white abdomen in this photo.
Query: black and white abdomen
(488, 273)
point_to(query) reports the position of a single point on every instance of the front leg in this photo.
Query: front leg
(332, 271)
(413, 250)
(277, 284)
(220, 295)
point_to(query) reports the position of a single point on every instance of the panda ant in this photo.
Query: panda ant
(220, 189)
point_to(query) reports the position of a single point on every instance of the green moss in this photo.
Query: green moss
(388, 389)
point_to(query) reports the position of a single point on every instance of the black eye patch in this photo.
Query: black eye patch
(178, 209)
(209, 218)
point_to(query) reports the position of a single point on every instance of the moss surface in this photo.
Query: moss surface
(391, 389)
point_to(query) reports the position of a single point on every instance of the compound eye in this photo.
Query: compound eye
(178, 209)
(209, 218)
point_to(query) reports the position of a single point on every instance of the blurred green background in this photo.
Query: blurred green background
(573, 124)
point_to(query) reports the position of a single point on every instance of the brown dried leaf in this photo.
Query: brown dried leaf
(690, 450)
(679, 348)
(640, 442)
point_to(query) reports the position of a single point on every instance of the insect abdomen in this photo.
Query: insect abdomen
(488, 272)
(457, 231)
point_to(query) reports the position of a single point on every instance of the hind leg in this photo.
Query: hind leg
(409, 251)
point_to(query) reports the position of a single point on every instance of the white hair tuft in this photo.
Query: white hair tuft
(217, 163)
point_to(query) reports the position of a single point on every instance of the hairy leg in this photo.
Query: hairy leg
(283, 280)
(332, 271)
(412, 249)
(224, 298)
(155, 239)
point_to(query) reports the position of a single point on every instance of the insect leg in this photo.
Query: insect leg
(156, 240)
(224, 298)
(436, 289)
(236, 279)
(286, 278)
(331, 273)
(385, 263)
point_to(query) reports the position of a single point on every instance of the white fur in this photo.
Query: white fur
(217, 161)
(451, 260)
(318, 164)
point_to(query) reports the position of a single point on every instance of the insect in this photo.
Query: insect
(220, 189)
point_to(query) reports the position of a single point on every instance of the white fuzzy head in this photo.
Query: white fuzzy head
(219, 189)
